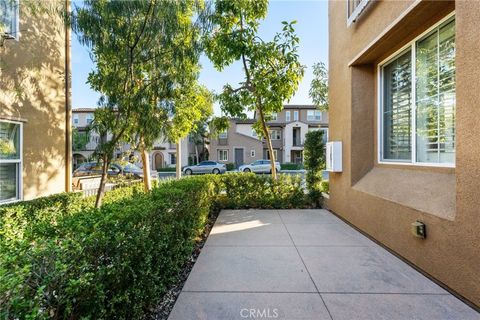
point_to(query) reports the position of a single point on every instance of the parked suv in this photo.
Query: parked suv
(259, 166)
(205, 167)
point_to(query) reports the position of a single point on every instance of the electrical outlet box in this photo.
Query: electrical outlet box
(334, 156)
(419, 229)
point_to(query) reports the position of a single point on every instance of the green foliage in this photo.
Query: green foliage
(272, 70)
(319, 86)
(60, 258)
(230, 166)
(325, 186)
(248, 190)
(292, 166)
(79, 139)
(314, 164)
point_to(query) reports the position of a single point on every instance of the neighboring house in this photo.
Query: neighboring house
(35, 137)
(163, 153)
(240, 143)
(404, 101)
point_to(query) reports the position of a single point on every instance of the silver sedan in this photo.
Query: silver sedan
(259, 166)
(205, 167)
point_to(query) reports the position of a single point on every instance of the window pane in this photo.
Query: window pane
(397, 102)
(435, 89)
(8, 181)
(9, 140)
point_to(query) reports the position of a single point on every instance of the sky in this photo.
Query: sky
(311, 27)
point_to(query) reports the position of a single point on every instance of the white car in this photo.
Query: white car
(259, 166)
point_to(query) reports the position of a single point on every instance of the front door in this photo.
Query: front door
(158, 160)
(238, 157)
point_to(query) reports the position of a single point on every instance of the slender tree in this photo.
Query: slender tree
(319, 86)
(143, 51)
(272, 70)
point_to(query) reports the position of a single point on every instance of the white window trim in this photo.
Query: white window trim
(353, 17)
(20, 165)
(14, 26)
(411, 45)
(252, 153)
(275, 138)
(295, 115)
(223, 135)
(220, 152)
(274, 116)
(287, 116)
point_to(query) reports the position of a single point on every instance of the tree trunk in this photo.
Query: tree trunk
(266, 133)
(179, 161)
(147, 179)
(196, 154)
(103, 181)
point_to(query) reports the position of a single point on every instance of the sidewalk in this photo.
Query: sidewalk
(305, 264)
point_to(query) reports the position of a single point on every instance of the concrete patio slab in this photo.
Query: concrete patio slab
(363, 269)
(312, 216)
(223, 306)
(251, 269)
(249, 234)
(397, 307)
(333, 234)
(305, 264)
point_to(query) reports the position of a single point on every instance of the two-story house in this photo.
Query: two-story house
(404, 95)
(240, 143)
(85, 142)
(35, 137)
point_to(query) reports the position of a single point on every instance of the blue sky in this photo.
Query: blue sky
(311, 27)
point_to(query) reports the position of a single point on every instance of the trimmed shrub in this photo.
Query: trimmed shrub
(325, 187)
(230, 166)
(248, 190)
(314, 164)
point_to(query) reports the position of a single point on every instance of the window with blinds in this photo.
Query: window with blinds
(10, 161)
(417, 103)
(397, 108)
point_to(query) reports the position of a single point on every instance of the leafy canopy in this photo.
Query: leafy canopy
(319, 86)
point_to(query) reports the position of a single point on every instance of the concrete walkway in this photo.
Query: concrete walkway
(305, 264)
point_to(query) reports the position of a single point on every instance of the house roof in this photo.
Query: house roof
(299, 106)
(83, 110)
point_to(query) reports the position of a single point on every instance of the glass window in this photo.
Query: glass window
(275, 134)
(75, 119)
(222, 155)
(254, 133)
(274, 116)
(268, 156)
(222, 135)
(252, 153)
(89, 118)
(9, 18)
(435, 88)
(173, 158)
(10, 161)
(287, 116)
(295, 115)
(314, 115)
(426, 135)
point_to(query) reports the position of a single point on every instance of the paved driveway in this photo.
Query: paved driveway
(305, 264)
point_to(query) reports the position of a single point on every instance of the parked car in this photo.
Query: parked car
(115, 169)
(259, 166)
(205, 167)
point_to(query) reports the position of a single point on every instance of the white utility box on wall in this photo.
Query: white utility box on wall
(334, 156)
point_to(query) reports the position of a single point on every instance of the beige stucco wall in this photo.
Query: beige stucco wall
(32, 88)
(451, 252)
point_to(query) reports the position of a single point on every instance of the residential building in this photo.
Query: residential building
(240, 143)
(163, 153)
(404, 95)
(35, 136)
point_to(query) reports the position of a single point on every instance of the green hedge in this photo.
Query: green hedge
(230, 166)
(291, 166)
(60, 258)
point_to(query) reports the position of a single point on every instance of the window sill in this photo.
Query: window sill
(429, 192)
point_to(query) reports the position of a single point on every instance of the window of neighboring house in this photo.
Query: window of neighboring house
(222, 155)
(314, 115)
(417, 103)
(75, 119)
(173, 158)
(89, 118)
(252, 153)
(274, 116)
(254, 133)
(275, 134)
(275, 154)
(222, 135)
(287, 116)
(10, 161)
(325, 135)
(354, 9)
(295, 115)
(9, 19)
